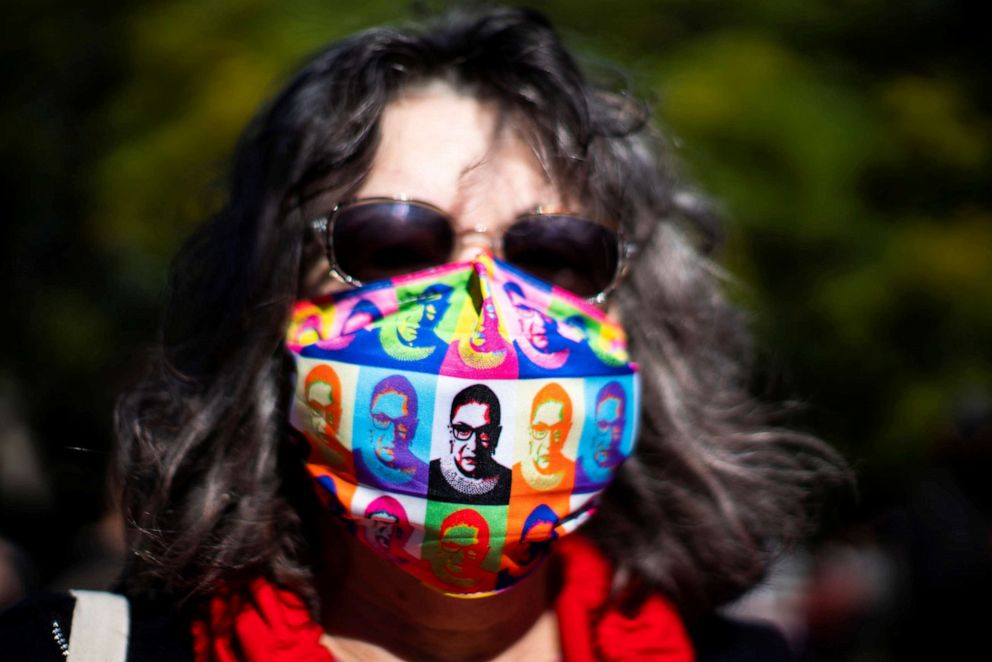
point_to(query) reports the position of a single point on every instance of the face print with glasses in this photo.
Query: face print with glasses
(388, 460)
(468, 472)
(471, 441)
(602, 448)
(372, 239)
(545, 466)
(323, 396)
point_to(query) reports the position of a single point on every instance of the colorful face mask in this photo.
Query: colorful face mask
(462, 418)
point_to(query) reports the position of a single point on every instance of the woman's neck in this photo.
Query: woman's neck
(372, 610)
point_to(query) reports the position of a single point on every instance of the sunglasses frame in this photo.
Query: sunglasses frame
(323, 226)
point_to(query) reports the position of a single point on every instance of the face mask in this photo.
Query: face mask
(463, 418)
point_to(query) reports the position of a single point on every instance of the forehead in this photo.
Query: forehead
(320, 392)
(390, 401)
(549, 413)
(609, 408)
(472, 413)
(448, 148)
(541, 529)
(383, 517)
(461, 534)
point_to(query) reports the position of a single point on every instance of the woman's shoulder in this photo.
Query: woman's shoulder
(40, 627)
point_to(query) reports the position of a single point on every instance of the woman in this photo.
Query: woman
(394, 373)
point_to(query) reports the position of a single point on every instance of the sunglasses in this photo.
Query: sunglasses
(371, 239)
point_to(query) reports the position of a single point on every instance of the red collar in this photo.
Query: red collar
(589, 630)
(275, 625)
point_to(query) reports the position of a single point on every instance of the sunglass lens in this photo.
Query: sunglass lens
(377, 240)
(572, 252)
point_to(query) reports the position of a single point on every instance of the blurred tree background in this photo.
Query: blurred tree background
(847, 141)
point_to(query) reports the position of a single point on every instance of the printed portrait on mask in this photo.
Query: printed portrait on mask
(310, 324)
(543, 464)
(355, 325)
(536, 336)
(463, 546)
(534, 544)
(595, 347)
(391, 445)
(608, 439)
(321, 409)
(387, 529)
(335, 321)
(480, 351)
(605, 343)
(410, 335)
(467, 470)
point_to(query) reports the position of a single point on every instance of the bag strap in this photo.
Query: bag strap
(101, 622)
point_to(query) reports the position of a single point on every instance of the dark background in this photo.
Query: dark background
(848, 143)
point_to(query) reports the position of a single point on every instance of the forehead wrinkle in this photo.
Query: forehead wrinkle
(469, 178)
(475, 183)
(470, 181)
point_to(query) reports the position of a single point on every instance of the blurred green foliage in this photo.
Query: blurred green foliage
(848, 142)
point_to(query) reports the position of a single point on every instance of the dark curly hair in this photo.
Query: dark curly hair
(215, 493)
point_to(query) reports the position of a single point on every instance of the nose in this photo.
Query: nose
(471, 243)
(458, 558)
